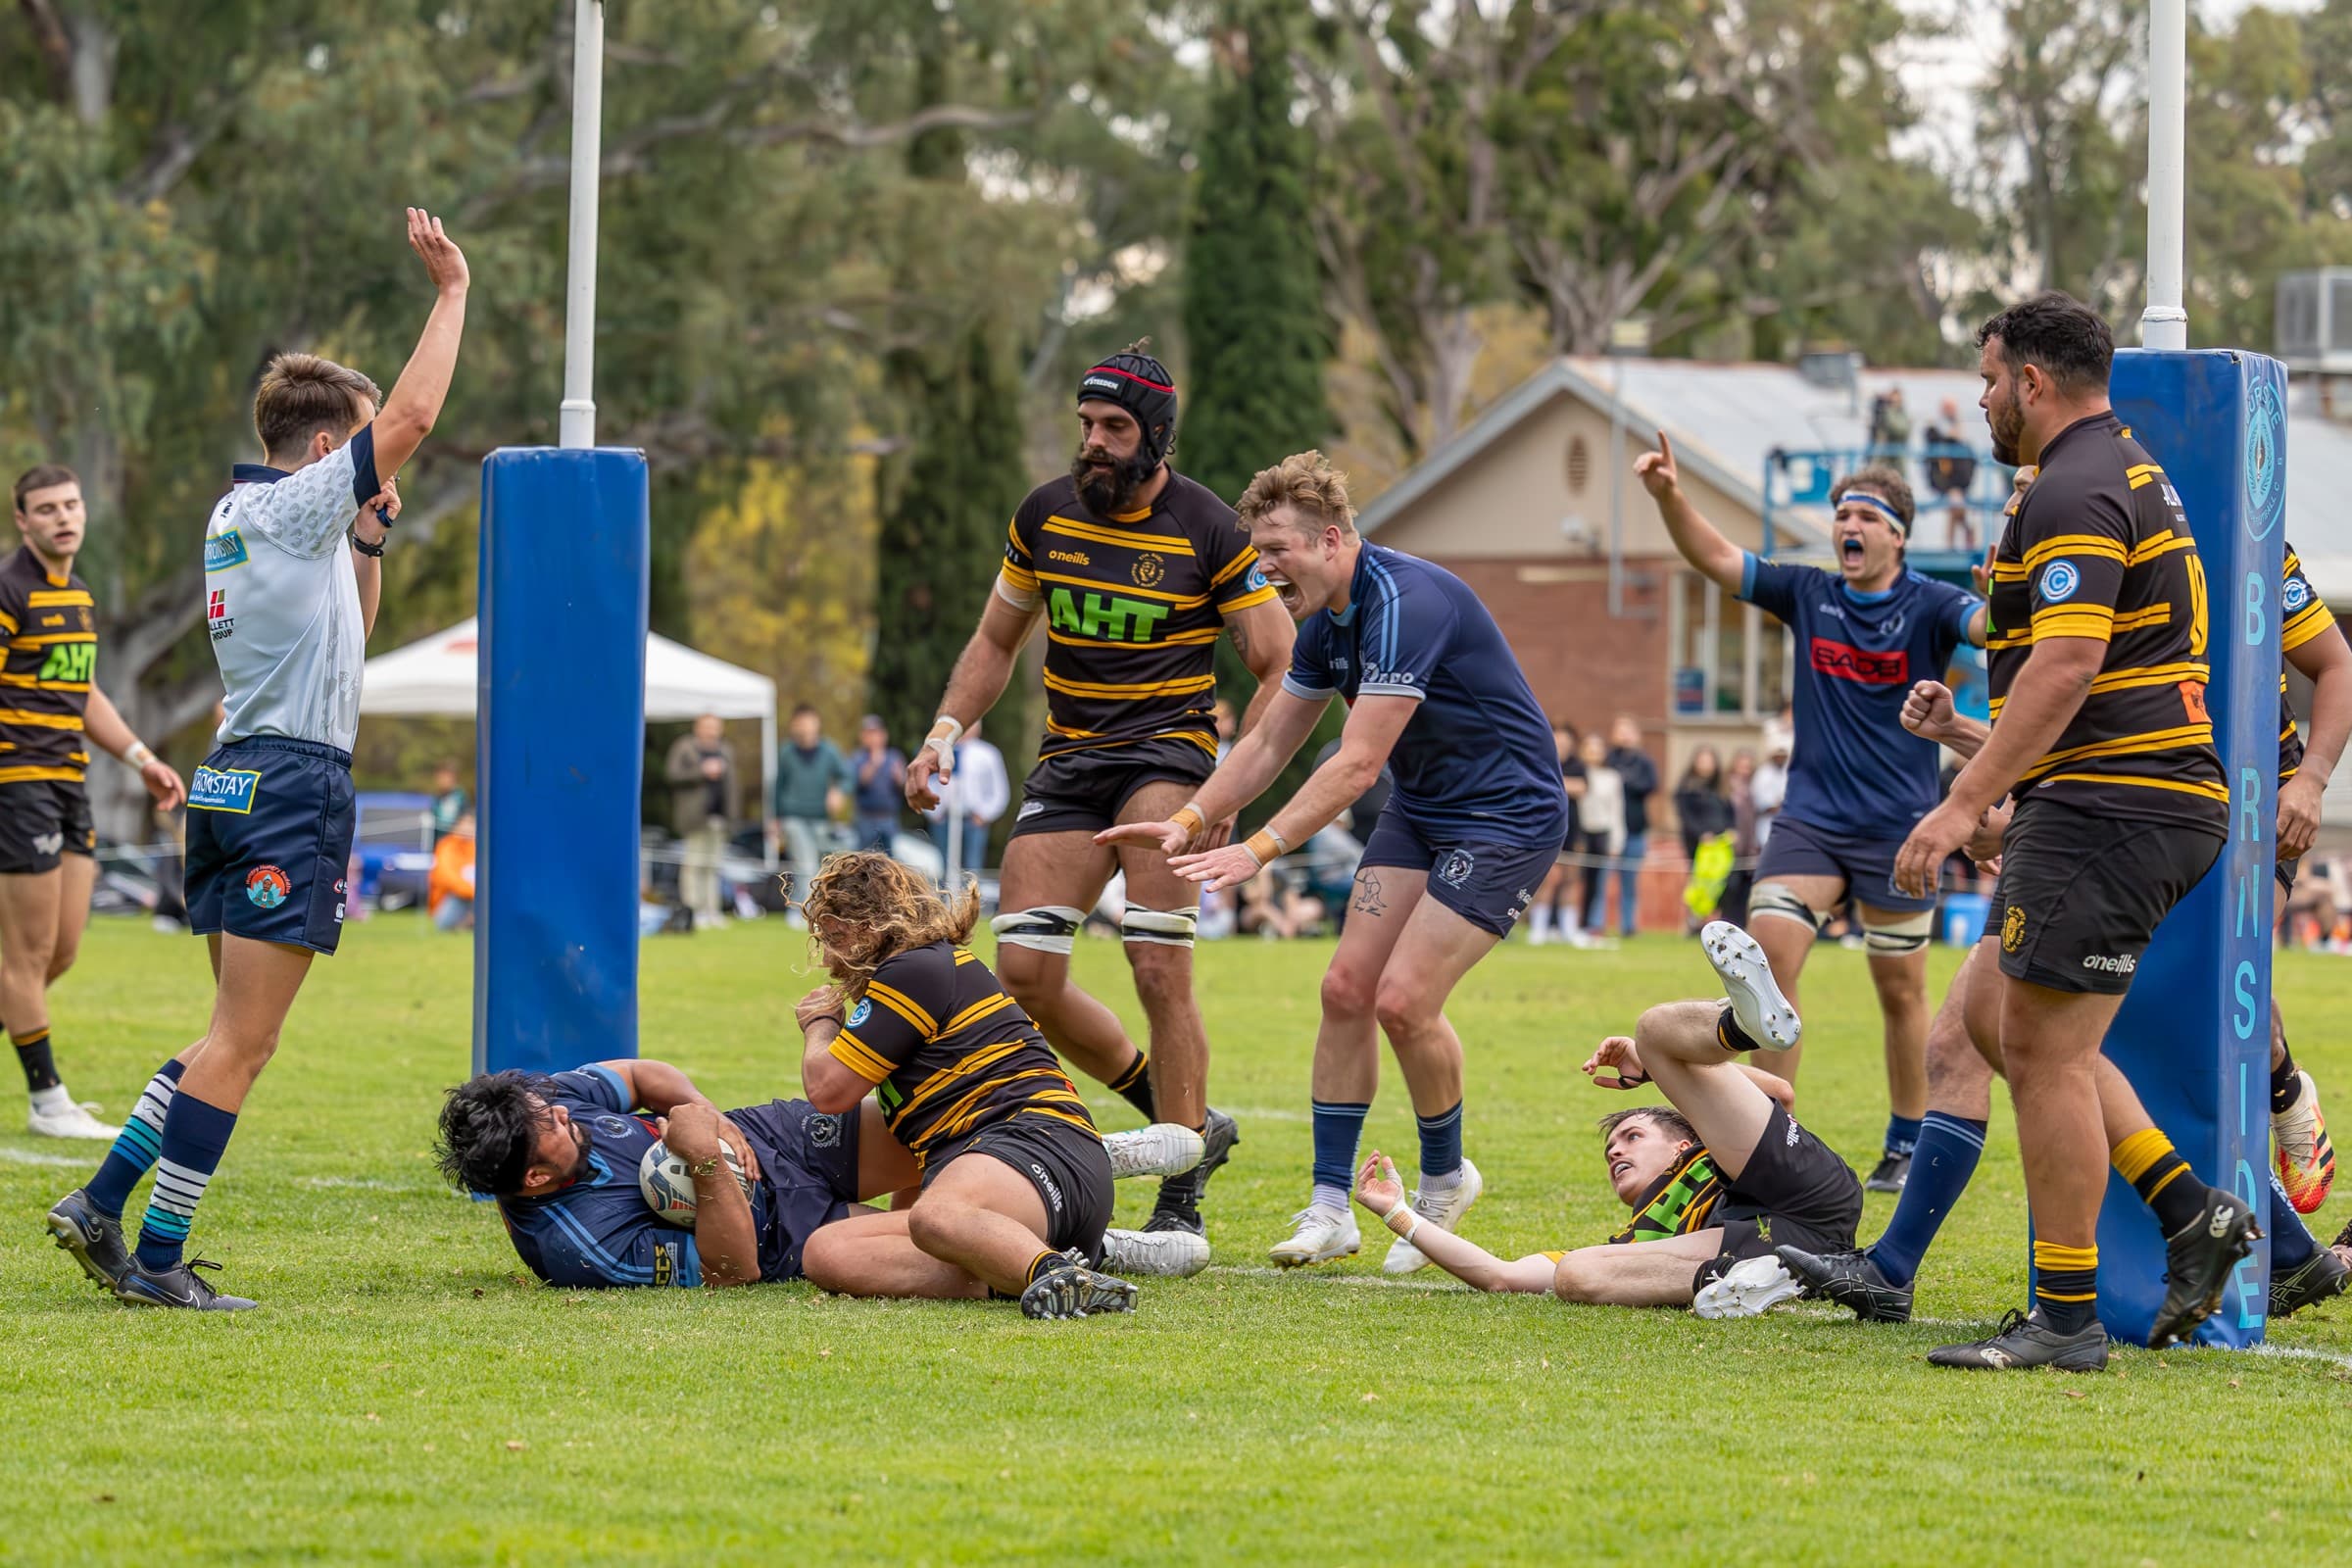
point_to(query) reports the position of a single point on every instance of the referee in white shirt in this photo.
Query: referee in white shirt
(293, 565)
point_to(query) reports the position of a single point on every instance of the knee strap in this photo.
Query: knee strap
(1047, 928)
(1775, 899)
(1900, 937)
(1166, 928)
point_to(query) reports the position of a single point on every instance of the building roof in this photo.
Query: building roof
(1723, 418)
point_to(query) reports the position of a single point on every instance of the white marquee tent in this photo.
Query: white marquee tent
(439, 675)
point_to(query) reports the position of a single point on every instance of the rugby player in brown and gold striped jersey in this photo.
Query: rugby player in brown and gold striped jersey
(50, 709)
(2098, 673)
(1137, 572)
(1017, 1185)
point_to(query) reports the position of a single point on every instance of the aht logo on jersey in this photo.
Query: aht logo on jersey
(1845, 662)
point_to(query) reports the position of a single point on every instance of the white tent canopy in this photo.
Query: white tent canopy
(440, 675)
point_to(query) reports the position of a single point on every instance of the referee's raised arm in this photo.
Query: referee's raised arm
(414, 401)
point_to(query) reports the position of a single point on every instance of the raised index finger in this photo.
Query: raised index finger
(1665, 446)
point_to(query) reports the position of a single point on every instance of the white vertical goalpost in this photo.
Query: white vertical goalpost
(576, 420)
(2164, 320)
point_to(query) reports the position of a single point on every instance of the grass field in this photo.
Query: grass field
(408, 1395)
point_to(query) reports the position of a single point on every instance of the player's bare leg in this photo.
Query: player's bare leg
(1435, 949)
(2050, 1050)
(872, 1255)
(1680, 1052)
(1060, 870)
(1346, 1065)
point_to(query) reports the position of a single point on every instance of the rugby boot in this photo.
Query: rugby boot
(2306, 1159)
(1889, 1174)
(1763, 1014)
(94, 1240)
(1851, 1280)
(176, 1286)
(1162, 1148)
(2023, 1340)
(1070, 1288)
(2322, 1274)
(2199, 1258)
(1442, 1209)
(1318, 1234)
(1168, 1253)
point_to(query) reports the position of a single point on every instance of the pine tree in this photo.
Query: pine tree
(946, 496)
(1255, 331)
(1255, 326)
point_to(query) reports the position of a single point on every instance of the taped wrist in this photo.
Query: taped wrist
(1189, 818)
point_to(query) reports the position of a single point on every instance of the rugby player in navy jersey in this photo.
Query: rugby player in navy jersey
(1858, 781)
(1471, 827)
(560, 1153)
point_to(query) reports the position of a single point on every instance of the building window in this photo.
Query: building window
(1729, 661)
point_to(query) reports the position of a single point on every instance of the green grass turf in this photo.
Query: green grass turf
(407, 1395)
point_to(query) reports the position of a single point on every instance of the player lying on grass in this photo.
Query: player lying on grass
(1015, 1181)
(561, 1156)
(1714, 1177)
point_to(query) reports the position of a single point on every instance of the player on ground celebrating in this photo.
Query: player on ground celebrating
(2102, 735)
(1857, 783)
(1472, 826)
(1714, 1177)
(1137, 571)
(293, 563)
(50, 709)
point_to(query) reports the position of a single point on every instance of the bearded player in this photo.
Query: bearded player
(1137, 571)
(1471, 829)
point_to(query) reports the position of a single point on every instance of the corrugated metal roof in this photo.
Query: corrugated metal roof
(1723, 418)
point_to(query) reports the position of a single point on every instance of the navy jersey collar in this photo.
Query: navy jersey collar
(1357, 587)
(256, 474)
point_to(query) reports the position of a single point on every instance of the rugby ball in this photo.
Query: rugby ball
(670, 1191)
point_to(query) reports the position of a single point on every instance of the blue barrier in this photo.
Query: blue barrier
(560, 742)
(2193, 1035)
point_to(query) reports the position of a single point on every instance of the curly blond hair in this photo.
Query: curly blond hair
(1308, 485)
(890, 907)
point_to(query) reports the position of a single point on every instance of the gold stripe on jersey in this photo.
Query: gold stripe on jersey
(2163, 545)
(1166, 544)
(18, 715)
(1255, 596)
(1238, 565)
(2123, 680)
(1116, 691)
(2096, 621)
(2075, 544)
(2159, 613)
(963, 1068)
(50, 639)
(904, 1005)
(852, 1053)
(1182, 639)
(30, 774)
(985, 1008)
(1021, 578)
(1125, 590)
(2154, 740)
(2208, 791)
(36, 683)
(57, 598)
